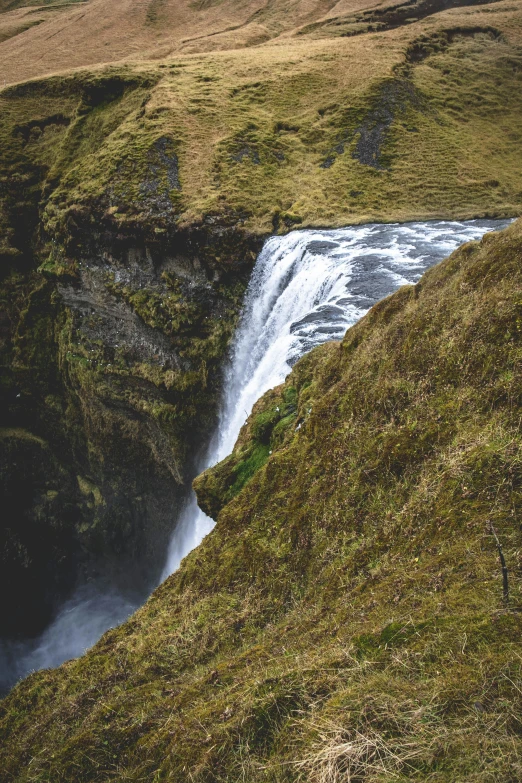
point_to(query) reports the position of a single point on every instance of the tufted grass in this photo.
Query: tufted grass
(345, 618)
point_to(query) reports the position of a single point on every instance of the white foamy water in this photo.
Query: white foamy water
(306, 288)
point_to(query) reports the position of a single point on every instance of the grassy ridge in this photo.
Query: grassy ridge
(421, 121)
(346, 615)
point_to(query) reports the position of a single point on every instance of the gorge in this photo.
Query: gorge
(351, 578)
(306, 288)
(260, 351)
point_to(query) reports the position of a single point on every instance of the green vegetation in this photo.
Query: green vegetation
(261, 434)
(346, 615)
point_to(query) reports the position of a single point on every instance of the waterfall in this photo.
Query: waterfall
(306, 288)
(78, 625)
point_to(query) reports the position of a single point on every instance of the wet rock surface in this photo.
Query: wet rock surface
(162, 175)
(394, 98)
(366, 131)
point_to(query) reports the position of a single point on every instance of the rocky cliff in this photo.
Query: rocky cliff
(113, 381)
(112, 345)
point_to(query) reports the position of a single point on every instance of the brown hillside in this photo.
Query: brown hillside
(38, 38)
(46, 37)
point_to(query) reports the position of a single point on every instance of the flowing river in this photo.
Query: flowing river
(306, 288)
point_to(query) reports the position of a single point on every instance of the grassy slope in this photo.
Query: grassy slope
(347, 610)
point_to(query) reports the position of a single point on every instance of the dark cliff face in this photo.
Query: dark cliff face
(114, 323)
(111, 351)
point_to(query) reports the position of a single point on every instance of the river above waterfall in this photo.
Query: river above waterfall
(306, 288)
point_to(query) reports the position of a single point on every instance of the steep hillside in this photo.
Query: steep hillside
(346, 618)
(133, 200)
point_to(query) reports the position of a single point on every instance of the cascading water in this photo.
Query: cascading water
(306, 288)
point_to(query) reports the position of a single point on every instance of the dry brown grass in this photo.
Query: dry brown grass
(341, 756)
(43, 38)
(85, 33)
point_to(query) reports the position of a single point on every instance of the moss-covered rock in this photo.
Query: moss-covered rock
(264, 431)
(114, 327)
